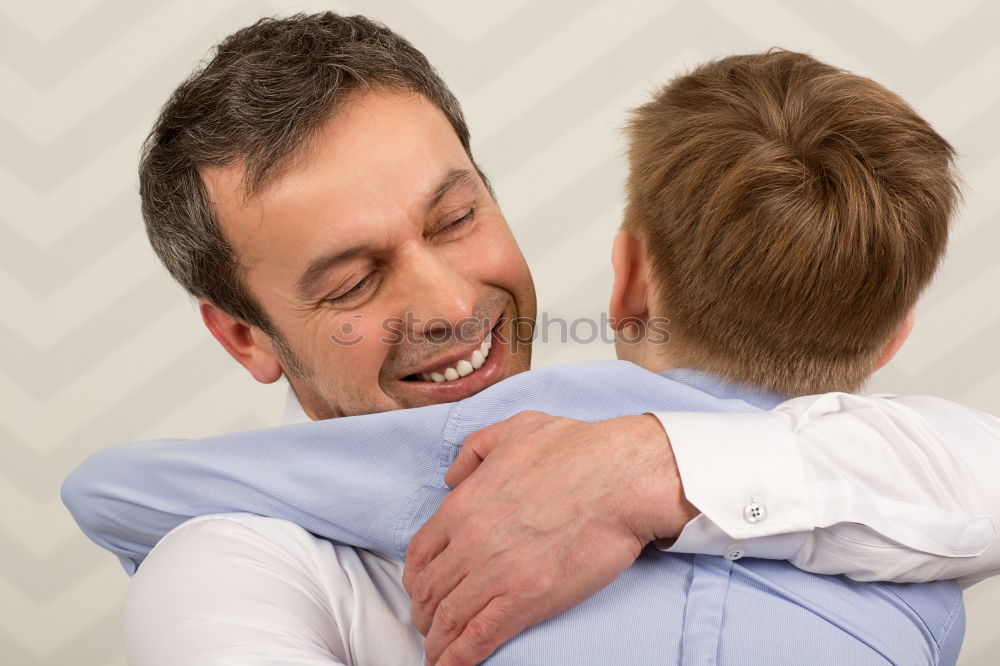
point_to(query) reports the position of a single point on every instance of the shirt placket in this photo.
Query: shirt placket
(704, 610)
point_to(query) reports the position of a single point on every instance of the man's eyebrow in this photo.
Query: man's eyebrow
(451, 180)
(320, 266)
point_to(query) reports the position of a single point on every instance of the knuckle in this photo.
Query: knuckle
(422, 590)
(421, 551)
(480, 632)
(416, 555)
(446, 617)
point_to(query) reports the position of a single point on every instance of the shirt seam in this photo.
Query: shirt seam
(409, 512)
(948, 625)
(916, 613)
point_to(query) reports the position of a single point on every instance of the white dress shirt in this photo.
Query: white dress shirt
(243, 590)
(825, 475)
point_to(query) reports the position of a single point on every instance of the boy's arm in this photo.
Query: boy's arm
(898, 488)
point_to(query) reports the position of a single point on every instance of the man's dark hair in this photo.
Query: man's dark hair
(266, 89)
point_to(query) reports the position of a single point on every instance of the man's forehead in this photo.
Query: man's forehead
(380, 158)
(231, 207)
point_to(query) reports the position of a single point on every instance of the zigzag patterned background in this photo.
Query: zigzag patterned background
(97, 345)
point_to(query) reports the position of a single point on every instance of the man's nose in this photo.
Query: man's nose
(440, 295)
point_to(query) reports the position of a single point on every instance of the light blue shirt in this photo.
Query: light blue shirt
(371, 481)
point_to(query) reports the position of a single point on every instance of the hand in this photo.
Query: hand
(546, 511)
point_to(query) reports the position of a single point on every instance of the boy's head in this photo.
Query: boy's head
(789, 214)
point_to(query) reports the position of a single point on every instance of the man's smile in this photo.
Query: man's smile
(466, 371)
(450, 371)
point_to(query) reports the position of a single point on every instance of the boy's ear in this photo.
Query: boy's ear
(630, 291)
(897, 340)
(247, 344)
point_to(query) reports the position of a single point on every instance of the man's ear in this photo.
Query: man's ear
(630, 291)
(247, 344)
(897, 340)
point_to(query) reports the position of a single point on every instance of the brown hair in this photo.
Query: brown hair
(792, 213)
(264, 92)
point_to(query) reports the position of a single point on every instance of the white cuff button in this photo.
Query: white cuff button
(754, 512)
(734, 551)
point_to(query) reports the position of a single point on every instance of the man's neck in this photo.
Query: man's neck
(293, 412)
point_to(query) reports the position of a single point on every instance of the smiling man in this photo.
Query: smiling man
(353, 250)
(313, 183)
(372, 221)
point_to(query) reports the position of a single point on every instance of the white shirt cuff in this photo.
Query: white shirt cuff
(744, 473)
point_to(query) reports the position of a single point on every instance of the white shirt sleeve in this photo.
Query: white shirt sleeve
(895, 488)
(244, 590)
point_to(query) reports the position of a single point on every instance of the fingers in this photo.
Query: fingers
(436, 582)
(481, 443)
(467, 460)
(429, 541)
(452, 615)
(480, 637)
(474, 450)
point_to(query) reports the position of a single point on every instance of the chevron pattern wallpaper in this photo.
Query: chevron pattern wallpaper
(97, 345)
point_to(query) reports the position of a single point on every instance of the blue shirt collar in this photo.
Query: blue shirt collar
(723, 388)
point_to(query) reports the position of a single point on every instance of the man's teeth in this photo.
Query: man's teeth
(463, 367)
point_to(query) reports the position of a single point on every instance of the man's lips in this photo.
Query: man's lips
(455, 355)
(447, 390)
(456, 365)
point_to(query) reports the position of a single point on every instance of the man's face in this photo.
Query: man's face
(382, 260)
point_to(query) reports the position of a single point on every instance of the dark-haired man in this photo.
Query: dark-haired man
(381, 213)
